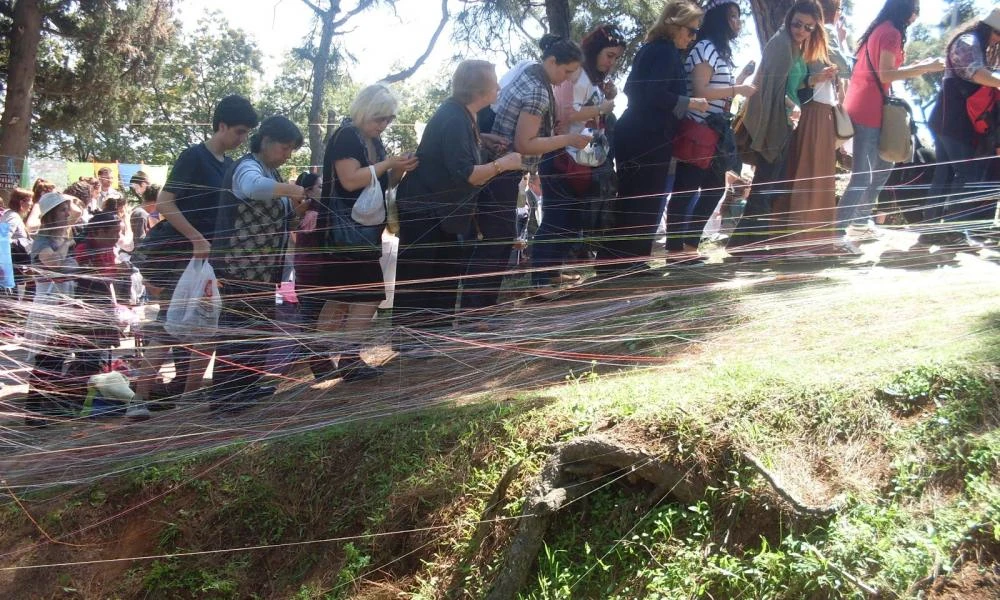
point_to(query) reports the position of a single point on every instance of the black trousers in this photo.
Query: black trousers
(768, 184)
(247, 320)
(430, 264)
(685, 223)
(565, 213)
(642, 181)
(497, 219)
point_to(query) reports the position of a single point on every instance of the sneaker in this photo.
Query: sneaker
(862, 233)
(849, 246)
(137, 412)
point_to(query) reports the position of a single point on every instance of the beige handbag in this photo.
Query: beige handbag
(842, 126)
(895, 140)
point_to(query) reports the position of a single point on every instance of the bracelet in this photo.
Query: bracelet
(496, 167)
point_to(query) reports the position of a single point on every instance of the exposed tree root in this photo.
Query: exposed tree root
(579, 466)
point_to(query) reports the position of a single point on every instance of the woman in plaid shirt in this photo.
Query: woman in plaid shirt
(525, 114)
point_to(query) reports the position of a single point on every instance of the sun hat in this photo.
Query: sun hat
(994, 19)
(49, 201)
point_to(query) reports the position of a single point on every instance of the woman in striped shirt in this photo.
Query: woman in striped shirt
(709, 67)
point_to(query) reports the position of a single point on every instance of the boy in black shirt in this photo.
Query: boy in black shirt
(189, 203)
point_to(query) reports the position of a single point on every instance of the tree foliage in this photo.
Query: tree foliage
(925, 42)
(513, 27)
(194, 72)
(94, 57)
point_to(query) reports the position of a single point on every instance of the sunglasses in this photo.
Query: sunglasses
(614, 38)
(692, 31)
(386, 119)
(800, 25)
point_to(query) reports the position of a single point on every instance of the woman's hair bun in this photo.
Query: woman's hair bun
(547, 40)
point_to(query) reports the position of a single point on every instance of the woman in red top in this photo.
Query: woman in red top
(880, 54)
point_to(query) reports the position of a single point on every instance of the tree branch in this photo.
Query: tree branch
(405, 73)
(319, 11)
(361, 7)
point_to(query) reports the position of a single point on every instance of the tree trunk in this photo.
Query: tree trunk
(559, 17)
(768, 16)
(320, 64)
(15, 125)
(331, 125)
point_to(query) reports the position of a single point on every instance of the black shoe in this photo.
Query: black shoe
(944, 239)
(35, 422)
(241, 400)
(160, 405)
(360, 371)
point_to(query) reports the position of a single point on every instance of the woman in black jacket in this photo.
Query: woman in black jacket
(657, 100)
(436, 200)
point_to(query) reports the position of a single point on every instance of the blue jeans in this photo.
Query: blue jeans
(869, 177)
(957, 166)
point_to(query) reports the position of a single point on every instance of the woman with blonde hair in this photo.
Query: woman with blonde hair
(657, 100)
(352, 281)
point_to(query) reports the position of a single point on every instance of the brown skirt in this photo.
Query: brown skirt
(808, 213)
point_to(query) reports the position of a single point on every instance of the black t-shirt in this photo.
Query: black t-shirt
(196, 181)
(448, 152)
(346, 143)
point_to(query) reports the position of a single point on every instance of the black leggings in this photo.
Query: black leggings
(684, 227)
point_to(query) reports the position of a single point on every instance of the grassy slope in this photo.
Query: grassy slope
(875, 391)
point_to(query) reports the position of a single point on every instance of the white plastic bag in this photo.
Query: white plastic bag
(369, 208)
(195, 307)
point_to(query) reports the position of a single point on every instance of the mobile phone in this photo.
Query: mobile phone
(751, 67)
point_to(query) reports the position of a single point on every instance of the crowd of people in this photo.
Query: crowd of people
(692, 123)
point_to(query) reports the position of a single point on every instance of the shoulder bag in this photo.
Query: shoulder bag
(842, 126)
(895, 141)
(695, 143)
(345, 233)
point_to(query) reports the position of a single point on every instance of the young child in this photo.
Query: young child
(50, 393)
(98, 276)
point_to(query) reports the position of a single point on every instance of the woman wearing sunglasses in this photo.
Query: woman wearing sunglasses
(806, 214)
(643, 142)
(352, 281)
(879, 56)
(770, 115)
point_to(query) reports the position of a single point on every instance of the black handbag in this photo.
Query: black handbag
(344, 234)
(162, 255)
(347, 235)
